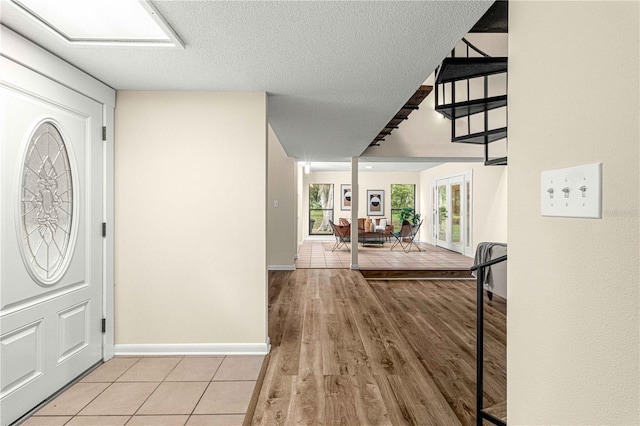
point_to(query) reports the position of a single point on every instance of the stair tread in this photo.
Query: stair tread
(499, 411)
(454, 69)
(501, 161)
(474, 106)
(479, 138)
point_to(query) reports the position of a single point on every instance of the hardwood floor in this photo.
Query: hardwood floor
(341, 356)
(438, 320)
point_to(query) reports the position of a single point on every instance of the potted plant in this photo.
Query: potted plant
(409, 214)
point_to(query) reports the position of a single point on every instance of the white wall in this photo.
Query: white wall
(573, 346)
(281, 220)
(190, 188)
(366, 180)
(489, 201)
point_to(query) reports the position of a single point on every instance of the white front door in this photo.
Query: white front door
(51, 171)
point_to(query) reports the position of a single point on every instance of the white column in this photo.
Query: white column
(354, 213)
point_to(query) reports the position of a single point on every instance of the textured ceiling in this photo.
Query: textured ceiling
(335, 71)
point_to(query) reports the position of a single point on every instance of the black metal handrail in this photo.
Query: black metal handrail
(453, 54)
(469, 44)
(480, 415)
(489, 262)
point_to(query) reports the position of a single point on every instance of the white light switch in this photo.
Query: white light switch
(572, 192)
(275, 203)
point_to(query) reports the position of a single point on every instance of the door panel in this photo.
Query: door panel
(443, 214)
(51, 243)
(451, 217)
(456, 218)
(22, 356)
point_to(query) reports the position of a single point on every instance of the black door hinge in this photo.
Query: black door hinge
(104, 229)
(104, 133)
(104, 325)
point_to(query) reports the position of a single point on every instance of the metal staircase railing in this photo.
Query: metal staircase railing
(481, 413)
(454, 69)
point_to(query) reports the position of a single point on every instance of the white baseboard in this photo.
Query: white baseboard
(193, 349)
(281, 267)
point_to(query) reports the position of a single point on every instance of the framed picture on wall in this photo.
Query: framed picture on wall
(375, 202)
(345, 196)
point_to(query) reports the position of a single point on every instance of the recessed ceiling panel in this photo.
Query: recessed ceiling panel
(100, 21)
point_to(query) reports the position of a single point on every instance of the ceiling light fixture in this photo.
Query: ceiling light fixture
(102, 22)
(307, 168)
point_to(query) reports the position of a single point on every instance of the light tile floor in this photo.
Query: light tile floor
(190, 390)
(318, 254)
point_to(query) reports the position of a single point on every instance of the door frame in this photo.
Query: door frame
(466, 230)
(29, 55)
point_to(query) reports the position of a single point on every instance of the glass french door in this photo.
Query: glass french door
(451, 217)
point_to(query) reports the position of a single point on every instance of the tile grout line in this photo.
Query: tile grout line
(99, 393)
(174, 367)
(205, 389)
(145, 400)
(155, 389)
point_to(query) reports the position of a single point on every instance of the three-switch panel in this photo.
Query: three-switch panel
(572, 192)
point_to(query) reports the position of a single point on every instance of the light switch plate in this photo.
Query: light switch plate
(572, 192)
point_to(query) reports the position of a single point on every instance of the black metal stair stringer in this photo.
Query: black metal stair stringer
(501, 161)
(475, 106)
(482, 138)
(461, 68)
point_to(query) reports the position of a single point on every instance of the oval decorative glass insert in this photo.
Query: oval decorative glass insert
(46, 204)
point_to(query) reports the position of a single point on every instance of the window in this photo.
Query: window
(320, 208)
(46, 204)
(402, 195)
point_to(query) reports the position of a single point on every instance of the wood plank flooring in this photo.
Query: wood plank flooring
(341, 356)
(438, 320)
